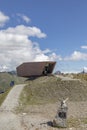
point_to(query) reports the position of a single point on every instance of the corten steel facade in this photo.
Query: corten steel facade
(30, 69)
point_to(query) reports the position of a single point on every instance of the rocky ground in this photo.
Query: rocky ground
(39, 117)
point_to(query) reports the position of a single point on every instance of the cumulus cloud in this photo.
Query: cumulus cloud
(84, 47)
(24, 17)
(53, 56)
(16, 47)
(3, 19)
(26, 31)
(76, 55)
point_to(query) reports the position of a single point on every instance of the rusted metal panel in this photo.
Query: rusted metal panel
(34, 68)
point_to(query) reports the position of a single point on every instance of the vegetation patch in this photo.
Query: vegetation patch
(5, 79)
(76, 123)
(80, 76)
(50, 89)
(3, 96)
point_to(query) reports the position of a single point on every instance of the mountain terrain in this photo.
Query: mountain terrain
(34, 105)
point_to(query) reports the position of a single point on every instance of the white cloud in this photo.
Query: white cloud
(16, 47)
(27, 31)
(84, 47)
(76, 55)
(3, 19)
(24, 17)
(53, 56)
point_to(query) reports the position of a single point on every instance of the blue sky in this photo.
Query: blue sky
(37, 30)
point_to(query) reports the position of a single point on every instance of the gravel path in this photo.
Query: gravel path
(12, 99)
(8, 120)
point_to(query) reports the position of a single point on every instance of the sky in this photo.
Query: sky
(43, 30)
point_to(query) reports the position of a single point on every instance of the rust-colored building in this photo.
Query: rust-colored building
(32, 69)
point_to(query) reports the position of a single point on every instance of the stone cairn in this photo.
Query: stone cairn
(60, 119)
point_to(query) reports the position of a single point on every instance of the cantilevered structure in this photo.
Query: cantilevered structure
(34, 69)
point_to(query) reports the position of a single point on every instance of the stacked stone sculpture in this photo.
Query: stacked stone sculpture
(61, 116)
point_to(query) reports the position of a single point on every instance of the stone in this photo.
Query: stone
(61, 117)
(60, 122)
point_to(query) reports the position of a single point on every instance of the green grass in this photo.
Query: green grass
(80, 76)
(5, 79)
(75, 122)
(3, 96)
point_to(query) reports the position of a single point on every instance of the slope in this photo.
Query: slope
(50, 89)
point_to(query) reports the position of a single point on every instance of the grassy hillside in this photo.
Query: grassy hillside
(50, 89)
(6, 78)
(80, 76)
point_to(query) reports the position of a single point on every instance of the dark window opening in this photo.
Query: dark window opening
(46, 69)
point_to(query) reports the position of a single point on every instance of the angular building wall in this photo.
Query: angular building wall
(30, 69)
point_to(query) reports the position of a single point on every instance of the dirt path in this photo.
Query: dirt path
(12, 99)
(8, 120)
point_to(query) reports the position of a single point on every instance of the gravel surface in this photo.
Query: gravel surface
(12, 99)
(8, 120)
(36, 117)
